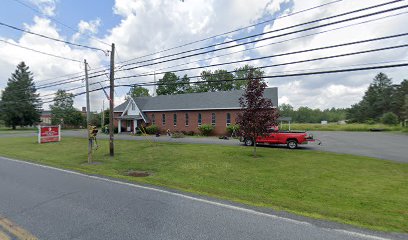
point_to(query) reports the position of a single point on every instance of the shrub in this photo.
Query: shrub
(389, 118)
(370, 121)
(177, 135)
(152, 129)
(205, 129)
(188, 133)
(233, 128)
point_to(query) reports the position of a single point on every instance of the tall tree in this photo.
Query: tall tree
(376, 101)
(286, 110)
(242, 73)
(398, 98)
(219, 80)
(404, 109)
(137, 91)
(257, 113)
(20, 104)
(168, 84)
(63, 111)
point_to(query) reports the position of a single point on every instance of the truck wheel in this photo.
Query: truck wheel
(292, 144)
(248, 142)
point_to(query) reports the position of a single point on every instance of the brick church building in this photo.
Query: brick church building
(183, 112)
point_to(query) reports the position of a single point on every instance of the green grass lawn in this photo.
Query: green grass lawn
(357, 127)
(350, 189)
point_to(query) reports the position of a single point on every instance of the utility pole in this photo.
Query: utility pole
(111, 98)
(103, 114)
(88, 113)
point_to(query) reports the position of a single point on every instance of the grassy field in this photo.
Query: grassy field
(357, 127)
(357, 190)
(4, 129)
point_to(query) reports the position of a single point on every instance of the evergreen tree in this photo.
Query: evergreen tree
(398, 99)
(20, 104)
(376, 101)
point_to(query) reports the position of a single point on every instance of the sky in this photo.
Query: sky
(143, 29)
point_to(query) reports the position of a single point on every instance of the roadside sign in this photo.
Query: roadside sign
(49, 134)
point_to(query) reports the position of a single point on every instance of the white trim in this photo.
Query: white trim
(202, 200)
(137, 108)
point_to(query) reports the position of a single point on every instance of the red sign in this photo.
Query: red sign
(49, 134)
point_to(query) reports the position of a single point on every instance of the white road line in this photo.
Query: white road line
(246, 210)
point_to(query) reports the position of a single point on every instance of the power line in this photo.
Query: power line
(314, 59)
(277, 30)
(56, 20)
(96, 75)
(41, 52)
(283, 41)
(236, 30)
(51, 38)
(80, 78)
(272, 56)
(278, 55)
(282, 75)
(262, 77)
(290, 33)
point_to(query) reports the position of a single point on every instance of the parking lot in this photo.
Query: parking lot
(383, 145)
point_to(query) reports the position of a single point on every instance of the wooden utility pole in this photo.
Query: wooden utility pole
(103, 114)
(88, 113)
(111, 100)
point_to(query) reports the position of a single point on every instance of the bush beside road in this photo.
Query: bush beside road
(356, 190)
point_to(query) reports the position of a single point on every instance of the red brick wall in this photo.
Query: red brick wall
(220, 120)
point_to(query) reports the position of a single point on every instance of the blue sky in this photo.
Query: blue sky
(140, 27)
(68, 12)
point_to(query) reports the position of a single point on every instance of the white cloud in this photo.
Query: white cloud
(47, 7)
(87, 28)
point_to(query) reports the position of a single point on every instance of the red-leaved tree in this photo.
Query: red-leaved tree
(257, 113)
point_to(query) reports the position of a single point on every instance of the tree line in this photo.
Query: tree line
(210, 81)
(20, 103)
(309, 115)
(382, 101)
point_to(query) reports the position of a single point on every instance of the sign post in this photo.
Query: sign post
(49, 134)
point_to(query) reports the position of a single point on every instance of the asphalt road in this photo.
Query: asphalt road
(57, 204)
(383, 145)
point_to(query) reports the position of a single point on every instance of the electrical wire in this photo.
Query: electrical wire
(278, 30)
(236, 30)
(50, 38)
(278, 55)
(41, 52)
(57, 21)
(372, 20)
(262, 77)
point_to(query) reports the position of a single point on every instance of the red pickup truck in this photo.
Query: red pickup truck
(275, 136)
